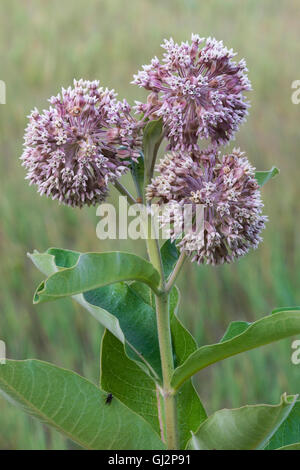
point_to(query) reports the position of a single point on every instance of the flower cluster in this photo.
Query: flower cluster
(197, 89)
(82, 142)
(87, 138)
(226, 188)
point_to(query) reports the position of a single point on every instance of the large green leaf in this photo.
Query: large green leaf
(75, 407)
(128, 312)
(118, 307)
(246, 428)
(93, 270)
(55, 259)
(123, 378)
(137, 321)
(263, 177)
(289, 432)
(271, 328)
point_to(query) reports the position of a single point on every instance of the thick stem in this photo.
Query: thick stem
(154, 250)
(166, 354)
(163, 320)
(165, 344)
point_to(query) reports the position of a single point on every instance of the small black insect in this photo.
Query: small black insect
(109, 399)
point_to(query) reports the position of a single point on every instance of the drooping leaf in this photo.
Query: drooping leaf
(264, 331)
(263, 177)
(131, 318)
(118, 307)
(93, 270)
(56, 258)
(45, 262)
(75, 407)
(289, 431)
(246, 428)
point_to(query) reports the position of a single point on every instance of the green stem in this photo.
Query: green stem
(165, 344)
(176, 271)
(166, 354)
(154, 250)
(162, 314)
(122, 190)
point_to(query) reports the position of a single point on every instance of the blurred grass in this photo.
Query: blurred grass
(44, 45)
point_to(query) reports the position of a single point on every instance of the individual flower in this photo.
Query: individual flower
(82, 142)
(226, 189)
(198, 91)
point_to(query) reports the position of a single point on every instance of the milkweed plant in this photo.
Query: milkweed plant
(73, 151)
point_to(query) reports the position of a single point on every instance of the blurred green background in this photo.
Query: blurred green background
(43, 46)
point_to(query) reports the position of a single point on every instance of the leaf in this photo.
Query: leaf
(234, 329)
(289, 432)
(119, 308)
(183, 342)
(295, 446)
(170, 255)
(153, 132)
(246, 428)
(285, 309)
(137, 171)
(93, 270)
(263, 177)
(264, 331)
(127, 381)
(122, 377)
(74, 406)
(127, 311)
(191, 412)
(137, 321)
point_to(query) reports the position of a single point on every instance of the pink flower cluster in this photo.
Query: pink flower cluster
(87, 138)
(226, 188)
(82, 142)
(197, 89)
